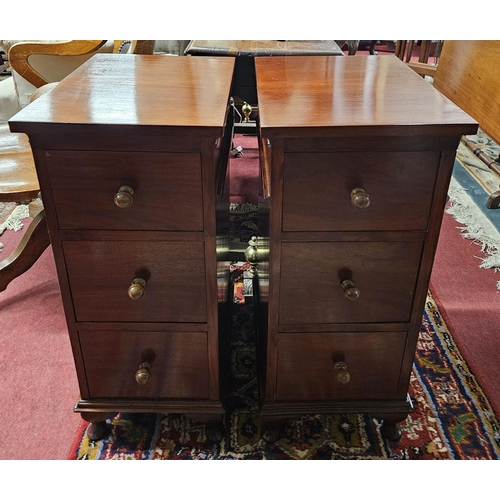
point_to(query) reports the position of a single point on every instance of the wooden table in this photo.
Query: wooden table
(246, 51)
(357, 153)
(131, 153)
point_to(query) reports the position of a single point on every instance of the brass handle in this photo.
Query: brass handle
(350, 290)
(143, 375)
(342, 375)
(124, 198)
(360, 198)
(251, 255)
(246, 109)
(137, 289)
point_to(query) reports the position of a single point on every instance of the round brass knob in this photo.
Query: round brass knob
(251, 255)
(342, 375)
(143, 375)
(360, 198)
(124, 198)
(350, 290)
(137, 289)
(247, 111)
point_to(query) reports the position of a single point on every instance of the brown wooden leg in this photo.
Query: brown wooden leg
(390, 425)
(32, 245)
(271, 428)
(98, 427)
(215, 429)
(391, 430)
(271, 432)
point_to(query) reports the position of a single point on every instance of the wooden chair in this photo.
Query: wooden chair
(404, 50)
(20, 53)
(18, 177)
(468, 72)
(19, 183)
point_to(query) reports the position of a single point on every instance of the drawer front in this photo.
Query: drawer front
(312, 273)
(101, 273)
(309, 365)
(178, 364)
(166, 190)
(318, 186)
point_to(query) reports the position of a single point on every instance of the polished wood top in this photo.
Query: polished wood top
(349, 96)
(258, 48)
(185, 94)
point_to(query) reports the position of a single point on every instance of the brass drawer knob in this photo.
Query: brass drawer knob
(350, 290)
(341, 374)
(360, 198)
(137, 289)
(143, 375)
(251, 256)
(124, 198)
(246, 109)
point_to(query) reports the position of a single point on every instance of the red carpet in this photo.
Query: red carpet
(470, 303)
(39, 386)
(245, 176)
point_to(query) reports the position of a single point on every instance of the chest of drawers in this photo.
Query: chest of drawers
(131, 154)
(356, 157)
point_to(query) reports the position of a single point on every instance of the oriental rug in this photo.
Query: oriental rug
(469, 189)
(452, 418)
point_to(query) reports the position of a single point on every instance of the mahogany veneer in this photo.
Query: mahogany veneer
(356, 157)
(131, 153)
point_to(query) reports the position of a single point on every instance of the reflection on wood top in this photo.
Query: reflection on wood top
(357, 95)
(136, 90)
(253, 48)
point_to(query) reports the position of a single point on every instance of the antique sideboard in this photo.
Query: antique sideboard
(356, 157)
(131, 153)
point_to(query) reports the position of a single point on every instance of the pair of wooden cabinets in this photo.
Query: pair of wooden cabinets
(132, 155)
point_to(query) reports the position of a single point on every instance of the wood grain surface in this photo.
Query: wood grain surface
(136, 90)
(363, 95)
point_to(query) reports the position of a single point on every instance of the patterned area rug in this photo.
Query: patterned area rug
(243, 224)
(453, 419)
(470, 187)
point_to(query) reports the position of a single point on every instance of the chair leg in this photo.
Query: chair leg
(34, 242)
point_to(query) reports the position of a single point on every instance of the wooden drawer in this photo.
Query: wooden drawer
(101, 272)
(167, 190)
(307, 372)
(385, 274)
(318, 186)
(178, 360)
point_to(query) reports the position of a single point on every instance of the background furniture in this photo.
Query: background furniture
(354, 45)
(357, 154)
(468, 73)
(404, 49)
(138, 212)
(19, 183)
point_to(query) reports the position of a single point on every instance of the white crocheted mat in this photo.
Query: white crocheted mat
(14, 221)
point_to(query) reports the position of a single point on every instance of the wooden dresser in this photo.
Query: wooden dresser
(131, 154)
(356, 157)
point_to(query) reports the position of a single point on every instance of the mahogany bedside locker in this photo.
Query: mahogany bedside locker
(131, 153)
(356, 157)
